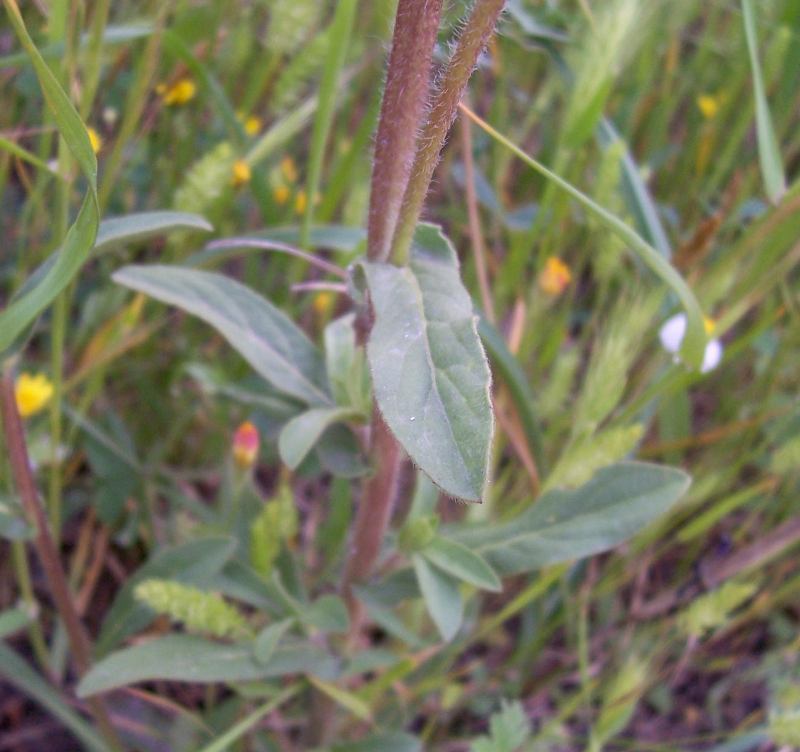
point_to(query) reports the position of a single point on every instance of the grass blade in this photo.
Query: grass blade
(339, 37)
(81, 235)
(769, 154)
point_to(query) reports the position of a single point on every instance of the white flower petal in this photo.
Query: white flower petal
(672, 331)
(712, 356)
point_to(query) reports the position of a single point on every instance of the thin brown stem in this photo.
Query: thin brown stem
(475, 233)
(402, 110)
(479, 26)
(45, 546)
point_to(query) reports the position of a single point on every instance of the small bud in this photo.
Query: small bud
(245, 445)
(418, 533)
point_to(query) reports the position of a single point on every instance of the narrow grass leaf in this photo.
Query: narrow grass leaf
(227, 740)
(265, 337)
(429, 370)
(19, 674)
(338, 43)
(80, 237)
(342, 697)
(768, 150)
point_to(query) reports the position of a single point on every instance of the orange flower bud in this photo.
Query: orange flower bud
(245, 445)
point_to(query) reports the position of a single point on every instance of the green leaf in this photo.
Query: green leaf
(194, 659)
(441, 595)
(429, 371)
(509, 729)
(132, 228)
(80, 237)
(328, 614)
(268, 638)
(14, 619)
(300, 434)
(346, 365)
(19, 674)
(563, 525)
(340, 454)
(769, 153)
(195, 562)
(270, 342)
(457, 560)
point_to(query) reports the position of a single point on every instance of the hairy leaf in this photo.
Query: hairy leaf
(429, 370)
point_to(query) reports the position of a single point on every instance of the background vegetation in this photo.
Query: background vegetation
(685, 637)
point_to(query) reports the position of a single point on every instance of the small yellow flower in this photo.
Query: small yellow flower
(281, 195)
(709, 324)
(94, 140)
(555, 276)
(252, 125)
(289, 169)
(240, 173)
(32, 393)
(245, 445)
(178, 93)
(708, 105)
(300, 202)
(323, 302)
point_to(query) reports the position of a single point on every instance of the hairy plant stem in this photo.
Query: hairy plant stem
(402, 110)
(475, 34)
(45, 546)
(374, 511)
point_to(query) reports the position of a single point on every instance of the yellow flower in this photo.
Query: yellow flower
(245, 445)
(322, 302)
(94, 140)
(281, 195)
(32, 393)
(708, 105)
(709, 324)
(555, 276)
(289, 169)
(252, 125)
(300, 202)
(240, 173)
(180, 92)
